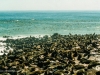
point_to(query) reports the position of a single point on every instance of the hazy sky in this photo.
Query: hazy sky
(49, 4)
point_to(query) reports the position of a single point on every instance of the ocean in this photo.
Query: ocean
(26, 23)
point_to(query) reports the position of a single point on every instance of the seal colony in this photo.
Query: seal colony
(53, 55)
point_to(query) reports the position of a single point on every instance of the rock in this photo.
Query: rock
(81, 72)
(93, 64)
(98, 72)
(91, 72)
(54, 55)
(79, 67)
(58, 73)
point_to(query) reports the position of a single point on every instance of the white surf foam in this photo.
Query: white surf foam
(3, 46)
(24, 36)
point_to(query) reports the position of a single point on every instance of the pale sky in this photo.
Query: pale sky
(49, 4)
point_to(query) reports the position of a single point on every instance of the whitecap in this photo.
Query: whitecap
(33, 19)
(65, 30)
(17, 20)
(88, 27)
(98, 27)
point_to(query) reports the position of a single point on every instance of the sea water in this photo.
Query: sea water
(19, 24)
(26, 23)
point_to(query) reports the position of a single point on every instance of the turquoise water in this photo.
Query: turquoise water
(48, 22)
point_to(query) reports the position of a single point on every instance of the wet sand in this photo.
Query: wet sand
(53, 55)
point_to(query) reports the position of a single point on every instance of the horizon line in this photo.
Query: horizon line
(49, 10)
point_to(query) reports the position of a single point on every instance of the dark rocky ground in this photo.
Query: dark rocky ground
(54, 55)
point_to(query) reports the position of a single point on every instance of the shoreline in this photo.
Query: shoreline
(4, 38)
(39, 35)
